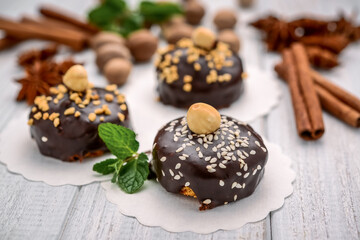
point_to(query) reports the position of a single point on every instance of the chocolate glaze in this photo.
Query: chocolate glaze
(75, 137)
(235, 179)
(217, 94)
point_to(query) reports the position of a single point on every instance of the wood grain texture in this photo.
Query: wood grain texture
(325, 203)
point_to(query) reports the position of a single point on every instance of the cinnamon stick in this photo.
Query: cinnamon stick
(303, 124)
(330, 102)
(7, 42)
(337, 108)
(307, 87)
(62, 15)
(28, 31)
(334, 43)
(335, 90)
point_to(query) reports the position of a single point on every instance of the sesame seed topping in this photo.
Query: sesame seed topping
(221, 183)
(221, 165)
(171, 172)
(235, 197)
(233, 185)
(178, 166)
(179, 149)
(163, 173)
(258, 167)
(254, 172)
(187, 184)
(246, 175)
(44, 139)
(264, 149)
(207, 201)
(163, 159)
(252, 152)
(177, 177)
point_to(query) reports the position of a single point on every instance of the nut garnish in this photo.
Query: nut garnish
(92, 117)
(69, 111)
(56, 122)
(77, 114)
(30, 122)
(76, 78)
(203, 118)
(204, 38)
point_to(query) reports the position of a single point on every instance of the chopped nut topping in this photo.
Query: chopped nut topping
(78, 100)
(81, 105)
(99, 111)
(123, 107)
(92, 117)
(69, 111)
(107, 111)
(54, 90)
(45, 116)
(109, 97)
(86, 102)
(77, 114)
(120, 98)
(38, 115)
(53, 116)
(62, 88)
(96, 102)
(95, 97)
(187, 78)
(34, 109)
(73, 96)
(56, 122)
(197, 66)
(48, 98)
(56, 101)
(111, 88)
(30, 122)
(244, 75)
(187, 87)
(121, 116)
(102, 119)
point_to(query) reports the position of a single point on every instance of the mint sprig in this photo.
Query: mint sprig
(130, 168)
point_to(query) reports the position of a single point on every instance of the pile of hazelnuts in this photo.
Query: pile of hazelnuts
(180, 27)
(114, 54)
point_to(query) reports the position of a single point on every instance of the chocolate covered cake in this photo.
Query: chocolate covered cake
(65, 124)
(221, 163)
(200, 69)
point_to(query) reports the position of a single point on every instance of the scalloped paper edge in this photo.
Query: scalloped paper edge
(141, 205)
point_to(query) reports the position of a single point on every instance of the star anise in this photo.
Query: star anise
(40, 76)
(29, 57)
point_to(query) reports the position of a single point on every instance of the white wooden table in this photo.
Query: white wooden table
(326, 199)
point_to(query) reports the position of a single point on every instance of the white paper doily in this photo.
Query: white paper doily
(261, 94)
(153, 206)
(21, 155)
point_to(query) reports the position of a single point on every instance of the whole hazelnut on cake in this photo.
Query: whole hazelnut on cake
(211, 157)
(229, 36)
(106, 37)
(117, 70)
(110, 51)
(225, 19)
(142, 44)
(200, 69)
(194, 12)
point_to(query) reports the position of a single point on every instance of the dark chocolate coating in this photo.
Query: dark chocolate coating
(75, 137)
(217, 94)
(239, 167)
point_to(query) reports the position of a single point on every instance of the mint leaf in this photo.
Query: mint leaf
(119, 140)
(105, 167)
(157, 12)
(133, 175)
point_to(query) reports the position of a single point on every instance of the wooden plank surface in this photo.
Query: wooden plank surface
(326, 199)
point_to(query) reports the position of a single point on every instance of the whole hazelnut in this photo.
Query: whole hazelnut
(204, 38)
(117, 70)
(76, 78)
(175, 33)
(203, 118)
(246, 3)
(110, 51)
(142, 45)
(229, 36)
(106, 37)
(174, 21)
(194, 12)
(225, 19)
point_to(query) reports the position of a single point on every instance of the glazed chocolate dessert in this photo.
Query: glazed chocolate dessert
(217, 167)
(199, 71)
(65, 124)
